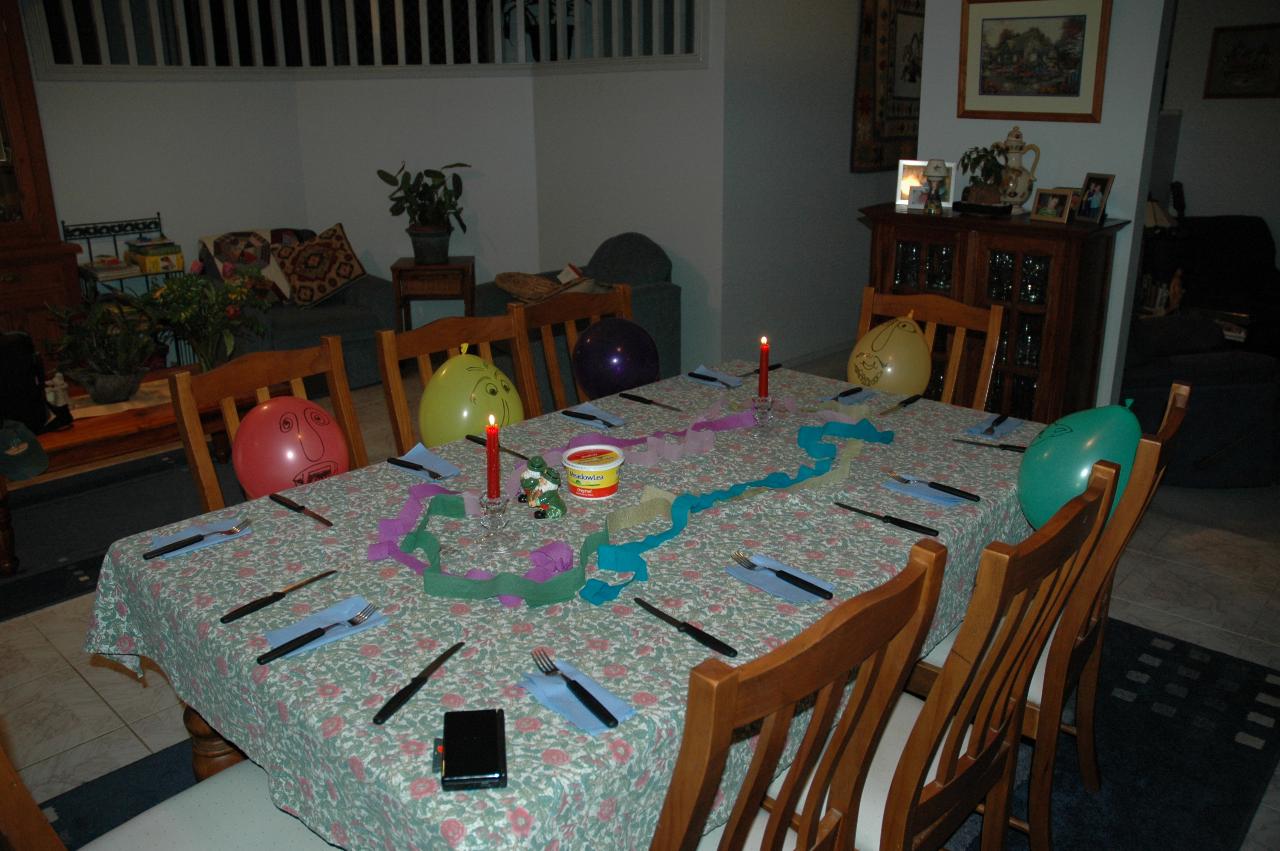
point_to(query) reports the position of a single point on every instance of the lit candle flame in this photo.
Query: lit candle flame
(491, 420)
(764, 341)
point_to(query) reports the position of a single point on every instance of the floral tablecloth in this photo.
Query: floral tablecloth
(307, 719)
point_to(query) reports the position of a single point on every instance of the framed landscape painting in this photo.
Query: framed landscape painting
(1042, 60)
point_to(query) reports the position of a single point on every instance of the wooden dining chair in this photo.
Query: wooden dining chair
(249, 379)
(1073, 658)
(934, 311)
(443, 339)
(564, 313)
(941, 757)
(875, 633)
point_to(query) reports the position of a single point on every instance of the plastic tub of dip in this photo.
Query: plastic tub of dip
(592, 470)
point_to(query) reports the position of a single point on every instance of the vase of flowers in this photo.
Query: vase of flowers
(208, 314)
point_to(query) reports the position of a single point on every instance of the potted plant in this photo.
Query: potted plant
(106, 345)
(208, 314)
(985, 167)
(429, 198)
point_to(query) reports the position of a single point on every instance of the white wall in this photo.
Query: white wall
(209, 156)
(1120, 144)
(1223, 140)
(639, 151)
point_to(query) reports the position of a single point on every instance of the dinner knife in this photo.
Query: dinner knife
(852, 391)
(790, 578)
(890, 519)
(756, 371)
(413, 465)
(995, 424)
(703, 638)
(1011, 447)
(645, 400)
(401, 697)
(274, 597)
(938, 486)
(910, 400)
(475, 438)
(583, 415)
(704, 377)
(301, 509)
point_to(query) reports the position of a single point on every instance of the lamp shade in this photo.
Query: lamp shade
(935, 168)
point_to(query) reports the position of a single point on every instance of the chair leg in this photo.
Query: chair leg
(995, 815)
(1086, 697)
(1040, 791)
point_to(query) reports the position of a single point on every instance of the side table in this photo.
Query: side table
(453, 280)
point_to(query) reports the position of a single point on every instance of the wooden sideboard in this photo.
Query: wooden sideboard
(1051, 279)
(36, 268)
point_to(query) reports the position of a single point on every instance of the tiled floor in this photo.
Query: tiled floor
(1202, 567)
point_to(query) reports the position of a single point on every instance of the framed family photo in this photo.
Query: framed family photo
(1042, 60)
(1051, 205)
(1093, 197)
(913, 189)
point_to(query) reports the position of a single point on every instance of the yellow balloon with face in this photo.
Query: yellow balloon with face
(892, 357)
(461, 395)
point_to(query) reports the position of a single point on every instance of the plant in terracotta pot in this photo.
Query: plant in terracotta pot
(107, 344)
(985, 167)
(430, 199)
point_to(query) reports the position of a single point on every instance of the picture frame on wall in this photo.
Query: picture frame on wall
(1033, 60)
(1093, 197)
(1051, 205)
(1244, 62)
(911, 175)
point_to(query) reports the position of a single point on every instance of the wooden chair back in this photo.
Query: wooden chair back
(879, 634)
(253, 376)
(971, 721)
(933, 311)
(443, 339)
(564, 312)
(23, 826)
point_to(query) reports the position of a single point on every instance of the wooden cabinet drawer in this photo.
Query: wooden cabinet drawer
(29, 287)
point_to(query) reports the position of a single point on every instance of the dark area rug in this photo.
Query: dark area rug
(90, 810)
(1183, 740)
(63, 528)
(1187, 743)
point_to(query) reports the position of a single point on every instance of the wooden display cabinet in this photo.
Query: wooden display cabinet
(36, 268)
(1051, 279)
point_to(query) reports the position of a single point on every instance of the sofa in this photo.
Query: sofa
(628, 258)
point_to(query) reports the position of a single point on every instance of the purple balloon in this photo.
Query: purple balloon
(614, 355)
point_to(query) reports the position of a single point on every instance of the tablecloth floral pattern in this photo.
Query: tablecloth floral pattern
(307, 720)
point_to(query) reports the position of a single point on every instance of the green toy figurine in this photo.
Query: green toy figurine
(541, 486)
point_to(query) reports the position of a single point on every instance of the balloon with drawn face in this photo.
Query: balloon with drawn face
(286, 442)
(892, 357)
(461, 395)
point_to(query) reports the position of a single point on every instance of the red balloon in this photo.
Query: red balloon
(285, 442)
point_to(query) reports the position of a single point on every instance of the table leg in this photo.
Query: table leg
(210, 753)
(8, 558)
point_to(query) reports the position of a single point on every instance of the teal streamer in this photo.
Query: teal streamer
(627, 558)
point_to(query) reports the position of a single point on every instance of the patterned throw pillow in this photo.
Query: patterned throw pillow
(243, 252)
(318, 268)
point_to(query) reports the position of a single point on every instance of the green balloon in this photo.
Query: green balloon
(1056, 466)
(459, 398)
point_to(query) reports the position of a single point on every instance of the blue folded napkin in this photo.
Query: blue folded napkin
(588, 408)
(919, 488)
(209, 530)
(1001, 430)
(731, 380)
(421, 455)
(552, 692)
(856, 399)
(767, 580)
(337, 613)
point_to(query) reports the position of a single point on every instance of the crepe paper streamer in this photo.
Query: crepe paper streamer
(627, 557)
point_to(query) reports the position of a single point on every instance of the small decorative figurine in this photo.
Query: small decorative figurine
(541, 486)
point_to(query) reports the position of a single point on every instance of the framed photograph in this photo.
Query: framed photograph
(1041, 60)
(1051, 205)
(917, 197)
(1093, 197)
(1244, 62)
(1075, 196)
(911, 175)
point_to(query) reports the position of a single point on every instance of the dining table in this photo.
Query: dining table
(711, 473)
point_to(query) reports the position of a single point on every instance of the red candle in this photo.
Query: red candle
(491, 458)
(764, 368)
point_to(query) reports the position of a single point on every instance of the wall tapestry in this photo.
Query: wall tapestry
(886, 94)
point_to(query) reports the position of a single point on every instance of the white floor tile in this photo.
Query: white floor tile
(46, 716)
(25, 654)
(130, 697)
(84, 762)
(1264, 833)
(65, 625)
(1192, 592)
(162, 729)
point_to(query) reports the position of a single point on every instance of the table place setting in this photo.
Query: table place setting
(890, 519)
(593, 416)
(645, 400)
(780, 580)
(298, 508)
(199, 537)
(406, 692)
(709, 377)
(929, 491)
(425, 463)
(274, 597)
(898, 406)
(573, 695)
(995, 426)
(341, 620)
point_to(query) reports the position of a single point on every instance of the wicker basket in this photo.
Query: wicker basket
(532, 289)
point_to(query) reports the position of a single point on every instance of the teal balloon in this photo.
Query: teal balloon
(1056, 466)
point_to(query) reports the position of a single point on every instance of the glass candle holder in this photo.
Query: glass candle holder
(493, 514)
(762, 409)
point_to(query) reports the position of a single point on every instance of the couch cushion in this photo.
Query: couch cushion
(629, 258)
(320, 267)
(238, 253)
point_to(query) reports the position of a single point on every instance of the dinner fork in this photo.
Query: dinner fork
(543, 660)
(312, 634)
(241, 524)
(804, 585)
